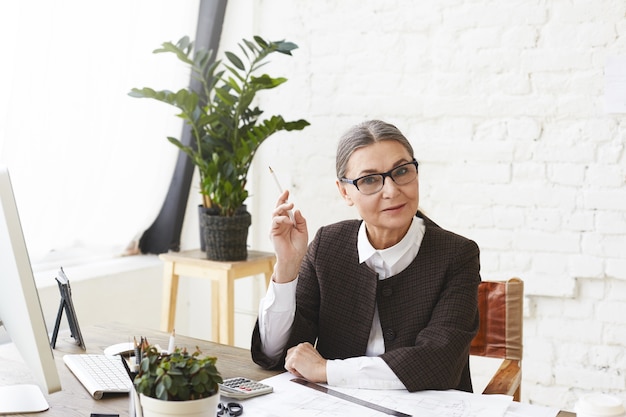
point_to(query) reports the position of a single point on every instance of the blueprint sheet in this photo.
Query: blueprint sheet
(291, 399)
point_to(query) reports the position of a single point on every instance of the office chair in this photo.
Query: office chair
(501, 307)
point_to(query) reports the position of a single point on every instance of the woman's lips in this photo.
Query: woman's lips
(394, 208)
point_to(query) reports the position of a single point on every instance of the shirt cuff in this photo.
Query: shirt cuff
(280, 297)
(366, 372)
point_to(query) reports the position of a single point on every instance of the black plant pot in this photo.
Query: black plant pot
(226, 238)
(202, 211)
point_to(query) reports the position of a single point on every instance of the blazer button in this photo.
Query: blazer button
(387, 291)
(390, 334)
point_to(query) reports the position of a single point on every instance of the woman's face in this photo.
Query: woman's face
(389, 212)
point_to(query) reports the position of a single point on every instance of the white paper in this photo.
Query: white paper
(292, 399)
(527, 410)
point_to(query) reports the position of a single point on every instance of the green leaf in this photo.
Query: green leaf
(234, 59)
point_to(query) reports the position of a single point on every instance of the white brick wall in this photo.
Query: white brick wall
(504, 104)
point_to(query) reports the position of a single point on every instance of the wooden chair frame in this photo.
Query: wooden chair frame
(501, 308)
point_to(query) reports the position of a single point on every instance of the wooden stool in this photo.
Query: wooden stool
(222, 275)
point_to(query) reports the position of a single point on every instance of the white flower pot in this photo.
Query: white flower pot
(205, 407)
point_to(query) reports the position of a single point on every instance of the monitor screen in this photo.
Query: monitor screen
(20, 309)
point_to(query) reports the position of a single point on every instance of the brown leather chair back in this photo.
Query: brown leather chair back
(501, 308)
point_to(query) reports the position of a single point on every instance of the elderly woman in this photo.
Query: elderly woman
(386, 302)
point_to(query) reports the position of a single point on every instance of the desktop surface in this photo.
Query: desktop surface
(75, 401)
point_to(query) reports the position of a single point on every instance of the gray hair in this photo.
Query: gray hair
(365, 134)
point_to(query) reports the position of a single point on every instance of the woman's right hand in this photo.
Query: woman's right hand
(290, 239)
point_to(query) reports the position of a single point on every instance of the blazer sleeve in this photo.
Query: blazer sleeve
(439, 357)
(305, 321)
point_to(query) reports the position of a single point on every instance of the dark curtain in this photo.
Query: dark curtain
(164, 234)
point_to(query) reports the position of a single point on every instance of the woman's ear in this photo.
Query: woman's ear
(344, 193)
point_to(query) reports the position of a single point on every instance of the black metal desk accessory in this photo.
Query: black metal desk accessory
(68, 306)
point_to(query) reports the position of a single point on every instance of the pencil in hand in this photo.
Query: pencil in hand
(280, 189)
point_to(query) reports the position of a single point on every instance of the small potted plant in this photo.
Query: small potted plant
(178, 383)
(227, 129)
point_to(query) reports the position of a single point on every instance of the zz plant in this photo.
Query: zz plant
(226, 126)
(178, 376)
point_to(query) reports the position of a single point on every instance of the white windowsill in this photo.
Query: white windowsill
(83, 265)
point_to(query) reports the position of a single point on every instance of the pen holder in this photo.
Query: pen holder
(134, 406)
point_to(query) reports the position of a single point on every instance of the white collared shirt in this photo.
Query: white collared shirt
(277, 310)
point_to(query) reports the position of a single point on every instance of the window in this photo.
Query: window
(90, 165)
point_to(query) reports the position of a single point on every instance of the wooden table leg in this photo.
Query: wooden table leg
(227, 308)
(215, 311)
(168, 301)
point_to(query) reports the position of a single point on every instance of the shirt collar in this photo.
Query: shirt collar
(391, 255)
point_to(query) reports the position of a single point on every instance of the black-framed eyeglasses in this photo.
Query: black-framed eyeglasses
(373, 183)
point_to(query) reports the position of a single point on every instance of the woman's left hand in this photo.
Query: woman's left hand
(306, 362)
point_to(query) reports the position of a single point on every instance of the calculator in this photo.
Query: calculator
(241, 388)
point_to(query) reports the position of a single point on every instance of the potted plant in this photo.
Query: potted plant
(178, 383)
(227, 129)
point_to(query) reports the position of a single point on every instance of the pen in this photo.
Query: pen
(136, 349)
(170, 347)
(280, 189)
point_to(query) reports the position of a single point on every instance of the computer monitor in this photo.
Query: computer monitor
(20, 311)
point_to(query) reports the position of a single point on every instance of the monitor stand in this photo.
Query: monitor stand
(17, 399)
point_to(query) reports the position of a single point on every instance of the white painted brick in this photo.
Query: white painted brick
(612, 312)
(507, 217)
(612, 199)
(523, 128)
(540, 241)
(609, 246)
(548, 220)
(615, 335)
(537, 347)
(552, 396)
(492, 173)
(577, 12)
(516, 262)
(530, 172)
(493, 239)
(610, 222)
(578, 221)
(549, 285)
(522, 194)
(480, 37)
(571, 352)
(604, 357)
(555, 59)
(536, 372)
(616, 289)
(520, 36)
(616, 268)
(472, 217)
(566, 174)
(585, 266)
(576, 35)
(559, 150)
(591, 289)
(476, 14)
(609, 153)
(565, 309)
(588, 378)
(491, 130)
(548, 263)
(605, 176)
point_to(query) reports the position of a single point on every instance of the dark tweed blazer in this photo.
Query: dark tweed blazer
(428, 312)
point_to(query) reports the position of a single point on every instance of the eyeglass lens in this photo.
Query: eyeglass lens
(401, 175)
